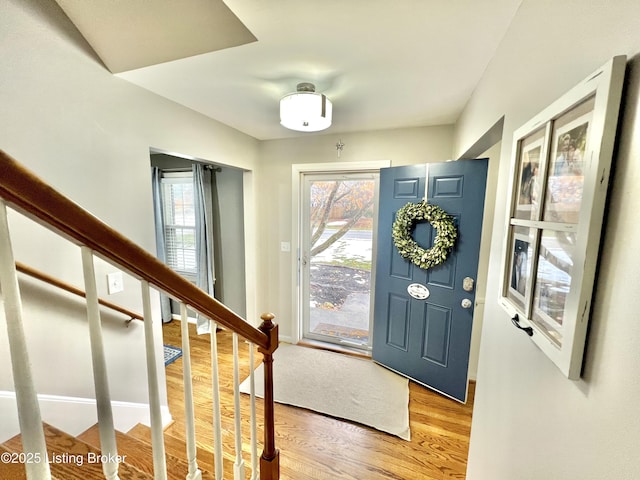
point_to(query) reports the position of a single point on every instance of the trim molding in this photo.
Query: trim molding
(75, 414)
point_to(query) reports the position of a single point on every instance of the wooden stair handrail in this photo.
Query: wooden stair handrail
(43, 277)
(29, 194)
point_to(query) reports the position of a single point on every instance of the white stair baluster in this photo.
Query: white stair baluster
(215, 383)
(157, 437)
(190, 430)
(100, 377)
(238, 466)
(29, 417)
(254, 429)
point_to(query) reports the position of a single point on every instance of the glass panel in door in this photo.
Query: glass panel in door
(337, 239)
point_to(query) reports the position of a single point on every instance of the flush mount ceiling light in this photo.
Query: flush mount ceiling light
(305, 110)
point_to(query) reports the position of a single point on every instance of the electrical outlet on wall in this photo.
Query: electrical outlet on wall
(115, 282)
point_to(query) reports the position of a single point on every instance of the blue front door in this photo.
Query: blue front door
(428, 340)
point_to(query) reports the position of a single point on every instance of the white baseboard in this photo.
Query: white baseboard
(74, 415)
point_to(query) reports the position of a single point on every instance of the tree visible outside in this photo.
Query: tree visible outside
(341, 217)
(344, 202)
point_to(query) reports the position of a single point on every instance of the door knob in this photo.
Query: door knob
(466, 303)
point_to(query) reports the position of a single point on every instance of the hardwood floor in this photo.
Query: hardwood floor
(317, 447)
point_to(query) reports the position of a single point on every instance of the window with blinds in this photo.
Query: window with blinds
(179, 222)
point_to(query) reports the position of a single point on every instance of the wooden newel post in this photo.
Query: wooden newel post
(270, 459)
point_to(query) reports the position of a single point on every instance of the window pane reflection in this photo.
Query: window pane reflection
(565, 178)
(553, 281)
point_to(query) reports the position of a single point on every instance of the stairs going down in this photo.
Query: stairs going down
(10, 468)
(28, 196)
(72, 458)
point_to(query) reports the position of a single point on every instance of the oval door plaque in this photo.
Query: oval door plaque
(418, 291)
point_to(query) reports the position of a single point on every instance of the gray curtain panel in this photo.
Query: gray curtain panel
(156, 175)
(203, 201)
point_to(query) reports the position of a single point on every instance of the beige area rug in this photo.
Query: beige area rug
(338, 385)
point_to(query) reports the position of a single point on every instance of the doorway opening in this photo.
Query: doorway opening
(194, 235)
(337, 242)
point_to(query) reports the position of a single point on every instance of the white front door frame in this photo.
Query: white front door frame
(297, 173)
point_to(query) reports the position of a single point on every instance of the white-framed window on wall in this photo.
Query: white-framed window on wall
(179, 223)
(559, 181)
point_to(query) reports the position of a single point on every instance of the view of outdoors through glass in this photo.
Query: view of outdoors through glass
(179, 224)
(341, 220)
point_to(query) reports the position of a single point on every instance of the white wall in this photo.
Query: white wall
(274, 192)
(88, 133)
(529, 421)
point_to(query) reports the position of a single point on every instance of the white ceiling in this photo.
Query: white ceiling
(383, 63)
